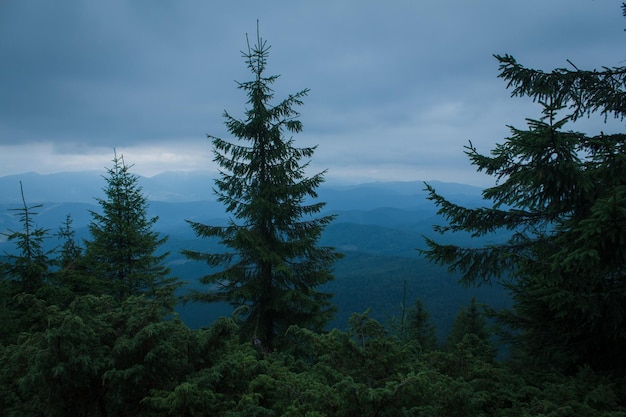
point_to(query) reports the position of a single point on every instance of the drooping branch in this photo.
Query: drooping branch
(585, 91)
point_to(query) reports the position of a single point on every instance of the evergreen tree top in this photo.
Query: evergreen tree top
(274, 264)
(586, 91)
(122, 250)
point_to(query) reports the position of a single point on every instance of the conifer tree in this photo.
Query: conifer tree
(70, 251)
(469, 320)
(73, 272)
(24, 272)
(273, 265)
(29, 268)
(121, 252)
(562, 195)
(420, 327)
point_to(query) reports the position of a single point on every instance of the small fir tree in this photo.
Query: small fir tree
(70, 251)
(420, 327)
(470, 336)
(29, 269)
(469, 320)
(121, 252)
(274, 265)
(73, 274)
(24, 272)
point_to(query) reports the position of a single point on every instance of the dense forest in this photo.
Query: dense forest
(91, 329)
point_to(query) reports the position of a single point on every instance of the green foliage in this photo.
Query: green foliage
(73, 273)
(148, 353)
(419, 326)
(30, 267)
(364, 372)
(55, 371)
(26, 272)
(95, 357)
(98, 357)
(10, 315)
(70, 250)
(274, 264)
(219, 372)
(562, 195)
(471, 322)
(121, 252)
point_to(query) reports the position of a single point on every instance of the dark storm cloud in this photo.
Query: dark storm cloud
(395, 82)
(90, 71)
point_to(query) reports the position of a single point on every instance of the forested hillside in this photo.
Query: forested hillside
(382, 271)
(88, 354)
(379, 228)
(104, 349)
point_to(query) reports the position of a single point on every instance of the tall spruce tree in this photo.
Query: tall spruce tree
(273, 265)
(122, 251)
(562, 194)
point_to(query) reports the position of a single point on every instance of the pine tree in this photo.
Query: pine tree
(469, 320)
(562, 196)
(29, 269)
(274, 264)
(121, 252)
(420, 327)
(73, 274)
(24, 272)
(70, 251)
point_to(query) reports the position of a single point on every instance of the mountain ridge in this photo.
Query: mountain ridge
(189, 186)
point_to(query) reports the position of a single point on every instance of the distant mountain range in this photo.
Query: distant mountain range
(379, 227)
(84, 187)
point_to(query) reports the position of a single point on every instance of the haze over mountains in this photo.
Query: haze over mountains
(379, 227)
(83, 187)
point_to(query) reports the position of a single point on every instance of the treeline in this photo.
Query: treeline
(78, 340)
(75, 345)
(102, 357)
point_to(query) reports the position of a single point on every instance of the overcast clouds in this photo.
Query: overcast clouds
(397, 87)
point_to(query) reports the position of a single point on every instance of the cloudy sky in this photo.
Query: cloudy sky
(397, 87)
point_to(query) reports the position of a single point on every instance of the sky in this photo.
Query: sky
(397, 88)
